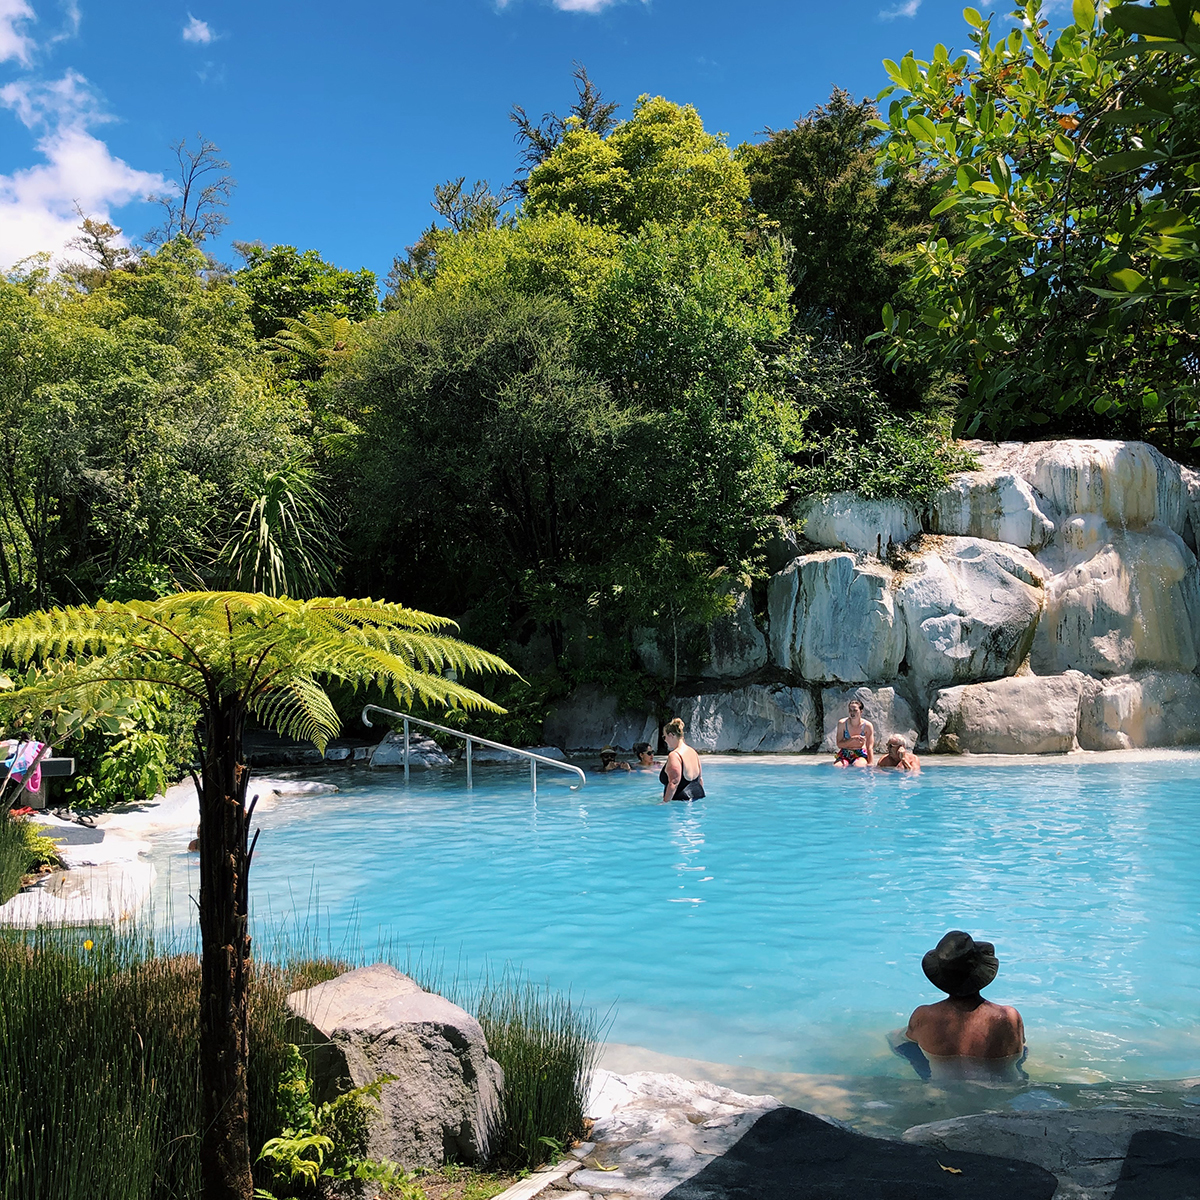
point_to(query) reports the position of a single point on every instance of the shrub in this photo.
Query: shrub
(22, 850)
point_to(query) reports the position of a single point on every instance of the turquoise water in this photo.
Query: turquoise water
(779, 923)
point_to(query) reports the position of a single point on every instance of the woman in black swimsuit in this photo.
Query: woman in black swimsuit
(677, 783)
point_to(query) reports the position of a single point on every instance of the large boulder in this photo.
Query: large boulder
(833, 619)
(1027, 714)
(1127, 483)
(884, 707)
(997, 505)
(848, 522)
(1132, 712)
(736, 645)
(971, 609)
(1118, 600)
(591, 718)
(758, 718)
(732, 646)
(423, 752)
(443, 1104)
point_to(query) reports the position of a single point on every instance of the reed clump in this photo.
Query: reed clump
(99, 1074)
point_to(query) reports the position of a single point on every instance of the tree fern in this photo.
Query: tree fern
(235, 654)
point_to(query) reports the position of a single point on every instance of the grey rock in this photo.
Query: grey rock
(884, 707)
(759, 718)
(1027, 714)
(444, 1104)
(782, 545)
(732, 646)
(833, 618)
(489, 754)
(736, 644)
(590, 719)
(1084, 1149)
(997, 505)
(1132, 712)
(847, 521)
(971, 610)
(423, 753)
(1117, 600)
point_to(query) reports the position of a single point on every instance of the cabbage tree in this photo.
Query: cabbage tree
(237, 655)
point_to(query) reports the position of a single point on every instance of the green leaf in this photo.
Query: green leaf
(922, 128)
(986, 187)
(1084, 13)
(1128, 279)
(1125, 160)
(894, 72)
(1149, 22)
(889, 316)
(945, 205)
(973, 17)
(1063, 146)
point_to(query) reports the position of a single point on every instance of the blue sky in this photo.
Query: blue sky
(338, 119)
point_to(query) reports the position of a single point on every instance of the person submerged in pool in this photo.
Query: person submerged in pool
(610, 762)
(899, 757)
(682, 776)
(644, 754)
(855, 738)
(963, 1036)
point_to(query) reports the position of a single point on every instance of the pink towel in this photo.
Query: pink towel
(26, 753)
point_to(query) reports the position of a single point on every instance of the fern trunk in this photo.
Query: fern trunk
(225, 956)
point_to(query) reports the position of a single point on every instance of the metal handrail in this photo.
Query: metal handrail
(470, 739)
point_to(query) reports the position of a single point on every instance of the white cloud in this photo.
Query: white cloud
(907, 9)
(14, 42)
(196, 31)
(37, 204)
(581, 6)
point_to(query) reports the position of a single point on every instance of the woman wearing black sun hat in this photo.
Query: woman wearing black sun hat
(965, 1028)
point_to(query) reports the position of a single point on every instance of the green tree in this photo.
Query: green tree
(131, 415)
(283, 283)
(234, 654)
(660, 165)
(538, 141)
(848, 228)
(1068, 163)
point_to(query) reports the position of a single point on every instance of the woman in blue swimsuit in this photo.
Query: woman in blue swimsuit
(855, 738)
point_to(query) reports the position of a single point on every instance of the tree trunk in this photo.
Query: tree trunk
(225, 958)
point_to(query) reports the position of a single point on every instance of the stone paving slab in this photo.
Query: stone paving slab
(1085, 1149)
(1160, 1166)
(793, 1155)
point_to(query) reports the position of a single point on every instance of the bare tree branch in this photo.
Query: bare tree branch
(196, 209)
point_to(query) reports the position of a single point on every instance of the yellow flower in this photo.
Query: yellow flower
(88, 944)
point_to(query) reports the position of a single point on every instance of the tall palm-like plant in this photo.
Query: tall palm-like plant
(282, 539)
(237, 654)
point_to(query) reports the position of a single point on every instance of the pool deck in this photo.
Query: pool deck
(661, 1136)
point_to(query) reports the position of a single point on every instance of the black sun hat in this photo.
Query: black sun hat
(960, 965)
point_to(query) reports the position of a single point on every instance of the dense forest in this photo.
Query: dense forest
(587, 397)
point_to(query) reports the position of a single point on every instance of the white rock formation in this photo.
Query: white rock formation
(847, 521)
(1117, 600)
(589, 719)
(658, 1130)
(1132, 712)
(834, 619)
(997, 505)
(971, 608)
(887, 711)
(445, 1101)
(1023, 715)
(759, 718)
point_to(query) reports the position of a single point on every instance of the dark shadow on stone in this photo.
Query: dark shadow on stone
(792, 1155)
(1160, 1166)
